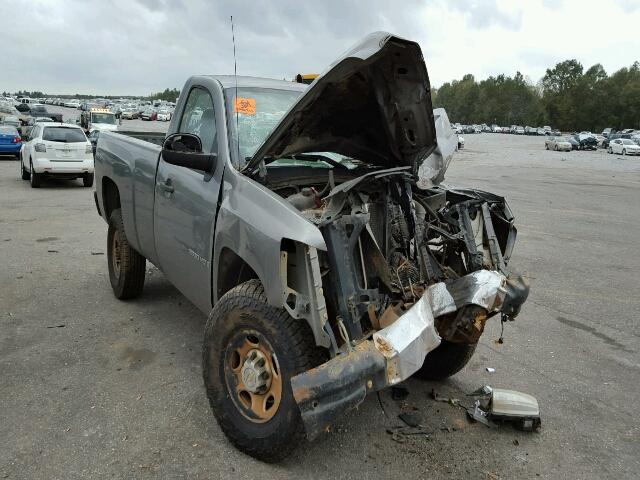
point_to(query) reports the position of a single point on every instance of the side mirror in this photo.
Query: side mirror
(185, 150)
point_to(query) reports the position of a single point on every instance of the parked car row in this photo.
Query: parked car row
(616, 143)
(513, 129)
(124, 108)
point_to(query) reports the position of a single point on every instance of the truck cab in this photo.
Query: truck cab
(98, 119)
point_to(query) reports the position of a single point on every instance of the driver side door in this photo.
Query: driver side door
(186, 203)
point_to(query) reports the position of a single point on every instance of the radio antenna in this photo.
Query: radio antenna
(235, 99)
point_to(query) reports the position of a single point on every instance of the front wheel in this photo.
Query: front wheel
(446, 360)
(250, 352)
(126, 266)
(556, 148)
(624, 152)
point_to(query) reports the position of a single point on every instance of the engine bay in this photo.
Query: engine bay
(388, 241)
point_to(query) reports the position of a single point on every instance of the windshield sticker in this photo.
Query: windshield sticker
(245, 105)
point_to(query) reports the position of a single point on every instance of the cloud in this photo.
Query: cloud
(629, 6)
(140, 46)
(482, 14)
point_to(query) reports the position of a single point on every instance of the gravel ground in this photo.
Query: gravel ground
(91, 387)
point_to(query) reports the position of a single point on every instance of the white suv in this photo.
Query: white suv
(56, 150)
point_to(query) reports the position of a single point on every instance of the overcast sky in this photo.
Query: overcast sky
(137, 47)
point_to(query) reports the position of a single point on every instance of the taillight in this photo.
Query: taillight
(40, 147)
(17, 139)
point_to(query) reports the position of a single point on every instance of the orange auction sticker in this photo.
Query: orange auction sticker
(245, 105)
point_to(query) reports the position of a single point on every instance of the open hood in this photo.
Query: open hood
(372, 104)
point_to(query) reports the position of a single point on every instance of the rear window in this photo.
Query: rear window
(6, 130)
(64, 135)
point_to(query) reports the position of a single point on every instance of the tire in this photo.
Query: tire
(624, 151)
(241, 313)
(36, 178)
(87, 180)
(23, 173)
(446, 360)
(126, 266)
(556, 148)
(609, 151)
(546, 147)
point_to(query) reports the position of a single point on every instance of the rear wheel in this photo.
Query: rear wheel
(36, 178)
(624, 151)
(556, 148)
(87, 180)
(250, 352)
(446, 360)
(126, 266)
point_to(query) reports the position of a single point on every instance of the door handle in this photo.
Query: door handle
(166, 186)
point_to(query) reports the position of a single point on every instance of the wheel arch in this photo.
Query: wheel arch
(110, 197)
(232, 271)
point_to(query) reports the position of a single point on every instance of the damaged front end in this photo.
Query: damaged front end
(408, 262)
(404, 268)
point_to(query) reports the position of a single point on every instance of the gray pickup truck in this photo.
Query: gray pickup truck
(311, 225)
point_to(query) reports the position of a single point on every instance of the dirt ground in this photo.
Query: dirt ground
(92, 387)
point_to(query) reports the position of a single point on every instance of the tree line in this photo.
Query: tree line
(567, 97)
(169, 94)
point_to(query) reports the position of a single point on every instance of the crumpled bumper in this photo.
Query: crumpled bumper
(397, 351)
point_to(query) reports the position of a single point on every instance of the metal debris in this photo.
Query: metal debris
(479, 415)
(439, 398)
(400, 434)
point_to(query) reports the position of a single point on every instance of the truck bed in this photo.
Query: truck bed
(151, 137)
(129, 160)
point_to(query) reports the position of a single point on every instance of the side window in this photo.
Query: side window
(199, 119)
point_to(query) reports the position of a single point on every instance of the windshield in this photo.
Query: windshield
(562, 139)
(6, 130)
(627, 142)
(258, 111)
(64, 135)
(109, 118)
